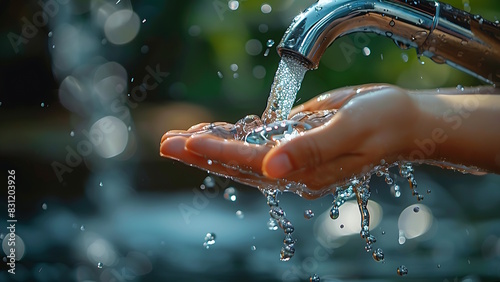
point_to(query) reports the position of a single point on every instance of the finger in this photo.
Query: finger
(174, 148)
(313, 148)
(173, 133)
(335, 99)
(231, 152)
(335, 172)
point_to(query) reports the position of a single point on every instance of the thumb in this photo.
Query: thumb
(315, 147)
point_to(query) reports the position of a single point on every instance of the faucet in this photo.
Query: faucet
(437, 30)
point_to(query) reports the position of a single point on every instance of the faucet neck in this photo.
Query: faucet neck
(439, 31)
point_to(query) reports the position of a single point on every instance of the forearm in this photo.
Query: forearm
(459, 128)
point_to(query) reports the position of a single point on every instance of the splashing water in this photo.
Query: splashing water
(314, 278)
(308, 214)
(402, 270)
(209, 240)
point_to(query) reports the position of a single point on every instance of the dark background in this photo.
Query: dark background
(70, 73)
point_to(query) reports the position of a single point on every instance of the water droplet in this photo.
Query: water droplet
(144, 20)
(253, 248)
(334, 213)
(429, 191)
(234, 67)
(402, 270)
(287, 253)
(209, 240)
(266, 53)
(72, 134)
(219, 74)
(82, 228)
(366, 51)
(144, 49)
(378, 255)
(388, 34)
(383, 232)
(236, 75)
(233, 5)
(266, 8)
(276, 213)
(240, 214)
(230, 194)
(270, 43)
(209, 162)
(416, 209)
(392, 23)
(438, 266)
(308, 214)
(99, 265)
(460, 87)
(100, 184)
(314, 278)
(341, 226)
(272, 225)
(209, 182)
(42, 104)
(50, 34)
(53, 46)
(420, 21)
(44, 206)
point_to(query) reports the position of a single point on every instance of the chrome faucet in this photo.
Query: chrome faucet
(437, 30)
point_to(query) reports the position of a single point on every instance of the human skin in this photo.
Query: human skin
(375, 124)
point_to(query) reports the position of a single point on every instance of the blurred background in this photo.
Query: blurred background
(87, 88)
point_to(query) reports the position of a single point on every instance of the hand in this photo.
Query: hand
(373, 123)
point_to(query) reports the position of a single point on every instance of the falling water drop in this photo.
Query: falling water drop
(314, 278)
(334, 213)
(272, 225)
(50, 34)
(402, 270)
(219, 74)
(240, 214)
(270, 43)
(99, 265)
(209, 182)
(253, 248)
(72, 133)
(378, 255)
(234, 67)
(42, 104)
(366, 51)
(308, 214)
(209, 162)
(44, 206)
(82, 228)
(144, 20)
(209, 240)
(266, 53)
(100, 184)
(230, 194)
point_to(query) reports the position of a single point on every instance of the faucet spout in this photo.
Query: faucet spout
(437, 30)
